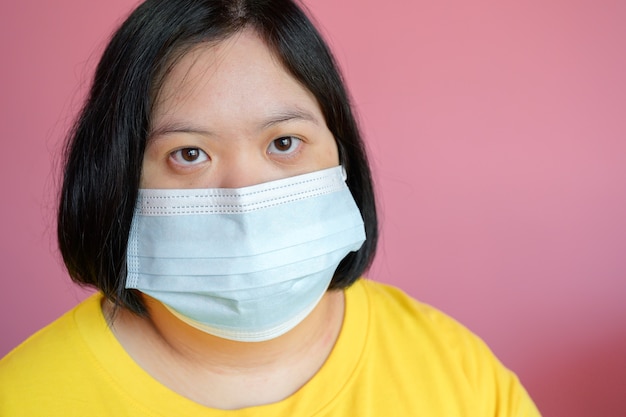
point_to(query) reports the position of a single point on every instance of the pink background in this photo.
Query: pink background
(497, 133)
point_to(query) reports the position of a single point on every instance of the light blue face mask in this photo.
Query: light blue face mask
(245, 264)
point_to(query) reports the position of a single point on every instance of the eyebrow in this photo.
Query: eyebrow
(273, 119)
(287, 116)
(169, 128)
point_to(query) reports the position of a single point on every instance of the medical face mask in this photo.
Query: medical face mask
(246, 264)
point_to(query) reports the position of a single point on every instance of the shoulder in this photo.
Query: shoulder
(399, 310)
(51, 360)
(425, 344)
(50, 339)
(395, 316)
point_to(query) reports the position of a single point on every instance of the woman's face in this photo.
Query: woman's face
(228, 116)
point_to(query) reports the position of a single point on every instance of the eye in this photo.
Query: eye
(189, 156)
(284, 145)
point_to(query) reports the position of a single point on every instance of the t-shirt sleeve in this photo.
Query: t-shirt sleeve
(452, 366)
(498, 390)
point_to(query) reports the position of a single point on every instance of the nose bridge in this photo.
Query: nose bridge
(241, 169)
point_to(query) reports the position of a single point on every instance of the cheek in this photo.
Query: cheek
(147, 167)
(145, 173)
(149, 173)
(331, 154)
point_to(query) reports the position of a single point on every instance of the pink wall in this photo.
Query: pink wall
(498, 138)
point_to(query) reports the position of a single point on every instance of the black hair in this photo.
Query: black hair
(104, 151)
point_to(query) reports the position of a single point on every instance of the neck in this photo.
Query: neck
(316, 330)
(184, 358)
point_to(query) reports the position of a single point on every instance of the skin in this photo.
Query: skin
(229, 116)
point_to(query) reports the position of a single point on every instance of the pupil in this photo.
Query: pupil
(283, 144)
(190, 154)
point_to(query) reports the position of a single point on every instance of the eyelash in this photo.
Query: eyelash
(293, 147)
(199, 156)
(179, 158)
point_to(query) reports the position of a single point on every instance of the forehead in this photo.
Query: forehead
(238, 75)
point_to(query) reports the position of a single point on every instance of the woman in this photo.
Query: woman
(204, 196)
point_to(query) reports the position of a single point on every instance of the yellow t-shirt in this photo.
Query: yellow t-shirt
(394, 357)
